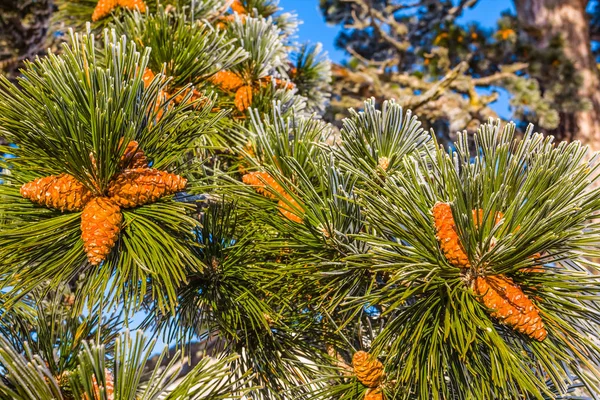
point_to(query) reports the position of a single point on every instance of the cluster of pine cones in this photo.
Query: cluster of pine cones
(135, 185)
(500, 294)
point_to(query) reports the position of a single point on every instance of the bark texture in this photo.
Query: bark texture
(546, 19)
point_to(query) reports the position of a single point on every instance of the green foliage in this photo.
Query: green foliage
(439, 340)
(333, 249)
(80, 103)
(188, 49)
(28, 378)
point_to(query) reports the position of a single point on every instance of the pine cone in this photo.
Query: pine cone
(133, 4)
(448, 237)
(148, 77)
(290, 211)
(62, 192)
(374, 394)
(368, 369)
(238, 7)
(510, 305)
(103, 9)
(100, 226)
(262, 180)
(383, 163)
(108, 389)
(133, 156)
(135, 187)
(243, 98)
(227, 81)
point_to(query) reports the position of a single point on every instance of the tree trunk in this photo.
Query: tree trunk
(546, 19)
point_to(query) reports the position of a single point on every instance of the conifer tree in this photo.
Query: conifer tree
(170, 159)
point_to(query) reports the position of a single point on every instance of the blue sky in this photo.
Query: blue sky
(314, 29)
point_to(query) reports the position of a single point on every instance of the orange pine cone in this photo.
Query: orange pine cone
(374, 394)
(100, 226)
(238, 7)
(147, 77)
(368, 369)
(448, 237)
(290, 211)
(243, 98)
(262, 180)
(227, 81)
(510, 305)
(135, 187)
(62, 192)
(109, 389)
(133, 157)
(103, 9)
(133, 4)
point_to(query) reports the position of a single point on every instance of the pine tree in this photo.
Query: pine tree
(170, 159)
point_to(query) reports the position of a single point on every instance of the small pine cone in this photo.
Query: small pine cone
(109, 389)
(448, 237)
(62, 192)
(227, 81)
(103, 9)
(243, 98)
(262, 180)
(135, 187)
(148, 77)
(100, 227)
(238, 7)
(383, 163)
(290, 212)
(374, 394)
(133, 157)
(133, 4)
(510, 305)
(368, 369)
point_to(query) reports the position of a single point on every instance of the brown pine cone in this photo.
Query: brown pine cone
(100, 226)
(374, 394)
(243, 98)
(510, 305)
(103, 9)
(133, 156)
(135, 187)
(368, 369)
(227, 81)
(133, 4)
(62, 192)
(448, 237)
